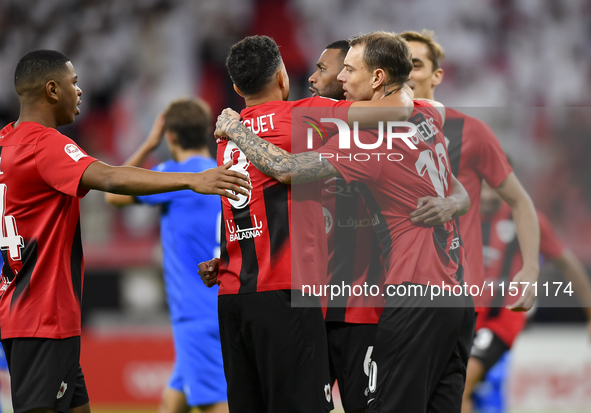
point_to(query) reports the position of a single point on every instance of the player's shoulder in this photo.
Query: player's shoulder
(27, 132)
(319, 101)
(430, 107)
(6, 130)
(166, 166)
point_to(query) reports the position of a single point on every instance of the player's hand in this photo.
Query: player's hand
(527, 297)
(221, 181)
(227, 121)
(155, 137)
(433, 211)
(208, 270)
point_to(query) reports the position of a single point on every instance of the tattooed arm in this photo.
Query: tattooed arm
(275, 162)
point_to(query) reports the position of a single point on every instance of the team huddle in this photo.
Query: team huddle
(298, 210)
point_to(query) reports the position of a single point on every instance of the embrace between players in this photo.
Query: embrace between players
(405, 354)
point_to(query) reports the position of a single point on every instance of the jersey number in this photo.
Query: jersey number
(10, 240)
(437, 173)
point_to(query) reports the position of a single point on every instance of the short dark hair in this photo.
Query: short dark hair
(190, 120)
(427, 37)
(252, 62)
(342, 45)
(386, 51)
(35, 67)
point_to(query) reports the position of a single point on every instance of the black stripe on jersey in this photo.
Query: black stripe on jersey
(381, 229)
(249, 268)
(76, 263)
(6, 270)
(453, 131)
(276, 197)
(345, 244)
(510, 253)
(23, 281)
(224, 257)
(440, 235)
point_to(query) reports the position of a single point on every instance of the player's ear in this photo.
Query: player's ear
(281, 79)
(437, 77)
(378, 78)
(52, 90)
(238, 90)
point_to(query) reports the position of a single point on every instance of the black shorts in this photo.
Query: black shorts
(350, 347)
(488, 348)
(45, 372)
(275, 355)
(420, 355)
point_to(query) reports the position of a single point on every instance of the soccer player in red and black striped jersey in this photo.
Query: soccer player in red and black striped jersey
(475, 154)
(419, 349)
(353, 259)
(42, 175)
(275, 354)
(496, 327)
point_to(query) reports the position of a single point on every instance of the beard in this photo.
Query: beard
(333, 90)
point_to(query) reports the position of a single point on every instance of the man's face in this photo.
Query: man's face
(490, 201)
(355, 76)
(323, 81)
(67, 108)
(422, 77)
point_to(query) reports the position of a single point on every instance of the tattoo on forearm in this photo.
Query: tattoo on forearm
(278, 163)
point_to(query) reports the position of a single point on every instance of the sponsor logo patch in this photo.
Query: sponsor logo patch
(74, 152)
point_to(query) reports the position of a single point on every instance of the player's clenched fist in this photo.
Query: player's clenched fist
(220, 181)
(208, 270)
(227, 120)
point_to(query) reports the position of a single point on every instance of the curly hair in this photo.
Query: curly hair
(252, 62)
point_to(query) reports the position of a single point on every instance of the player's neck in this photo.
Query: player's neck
(263, 97)
(181, 155)
(382, 92)
(33, 114)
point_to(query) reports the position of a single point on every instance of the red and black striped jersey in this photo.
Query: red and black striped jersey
(353, 253)
(42, 276)
(502, 260)
(474, 154)
(270, 241)
(396, 178)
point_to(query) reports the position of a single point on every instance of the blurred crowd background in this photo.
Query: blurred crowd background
(524, 66)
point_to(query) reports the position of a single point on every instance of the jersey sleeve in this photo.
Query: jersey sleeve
(61, 163)
(354, 164)
(550, 246)
(491, 162)
(157, 199)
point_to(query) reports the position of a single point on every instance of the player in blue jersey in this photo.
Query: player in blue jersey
(190, 225)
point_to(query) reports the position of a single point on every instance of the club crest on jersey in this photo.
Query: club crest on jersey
(74, 152)
(239, 164)
(327, 392)
(62, 390)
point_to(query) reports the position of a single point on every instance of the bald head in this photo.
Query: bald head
(36, 68)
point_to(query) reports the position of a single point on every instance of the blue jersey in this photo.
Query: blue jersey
(190, 225)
